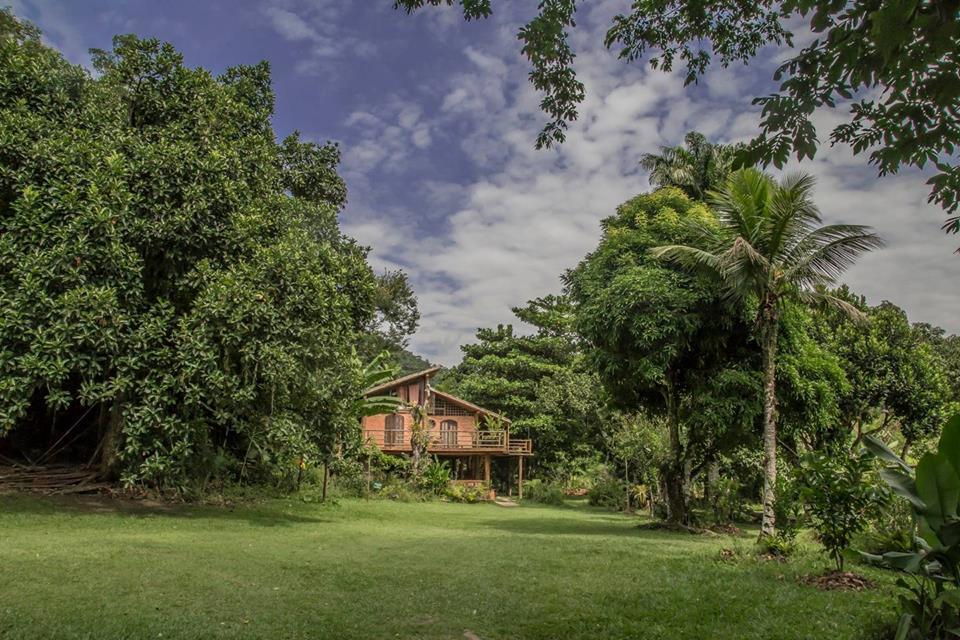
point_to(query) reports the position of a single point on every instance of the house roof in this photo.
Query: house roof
(427, 373)
(408, 378)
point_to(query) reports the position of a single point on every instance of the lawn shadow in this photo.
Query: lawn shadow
(84, 505)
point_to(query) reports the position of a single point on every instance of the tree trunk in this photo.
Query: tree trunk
(110, 443)
(710, 486)
(326, 479)
(905, 450)
(769, 338)
(673, 471)
(626, 477)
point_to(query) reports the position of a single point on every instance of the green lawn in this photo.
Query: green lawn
(287, 569)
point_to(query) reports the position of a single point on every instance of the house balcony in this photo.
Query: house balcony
(465, 442)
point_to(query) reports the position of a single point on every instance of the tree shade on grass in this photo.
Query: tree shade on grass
(286, 569)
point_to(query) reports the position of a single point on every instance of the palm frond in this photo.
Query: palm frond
(815, 297)
(827, 252)
(690, 258)
(792, 213)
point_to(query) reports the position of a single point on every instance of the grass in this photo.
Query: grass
(288, 569)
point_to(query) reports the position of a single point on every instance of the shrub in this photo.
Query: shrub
(838, 497)
(607, 492)
(468, 494)
(725, 500)
(543, 492)
(435, 477)
(890, 530)
(788, 510)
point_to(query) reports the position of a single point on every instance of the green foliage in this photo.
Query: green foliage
(890, 529)
(167, 270)
(789, 514)
(543, 492)
(469, 494)
(395, 319)
(897, 379)
(663, 340)
(608, 492)
(540, 381)
(770, 250)
(931, 607)
(375, 373)
(891, 62)
(726, 504)
(435, 477)
(697, 168)
(839, 498)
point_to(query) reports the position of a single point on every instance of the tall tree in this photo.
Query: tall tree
(173, 282)
(697, 167)
(895, 62)
(657, 335)
(897, 380)
(395, 318)
(539, 380)
(768, 249)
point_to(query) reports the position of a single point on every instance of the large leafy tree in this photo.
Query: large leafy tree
(174, 286)
(660, 338)
(897, 380)
(697, 167)
(539, 380)
(895, 62)
(396, 317)
(770, 249)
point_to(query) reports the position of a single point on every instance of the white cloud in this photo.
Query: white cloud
(318, 25)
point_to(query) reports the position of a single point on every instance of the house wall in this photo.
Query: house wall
(374, 428)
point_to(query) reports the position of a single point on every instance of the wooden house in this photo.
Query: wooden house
(467, 435)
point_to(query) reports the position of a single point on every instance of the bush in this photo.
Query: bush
(788, 511)
(468, 494)
(838, 497)
(607, 492)
(725, 500)
(931, 606)
(435, 477)
(890, 530)
(543, 492)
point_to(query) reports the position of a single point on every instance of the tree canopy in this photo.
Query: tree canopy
(173, 282)
(538, 380)
(660, 339)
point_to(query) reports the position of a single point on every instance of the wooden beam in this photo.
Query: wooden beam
(486, 468)
(520, 483)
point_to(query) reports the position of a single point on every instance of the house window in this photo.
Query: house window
(443, 407)
(394, 432)
(448, 433)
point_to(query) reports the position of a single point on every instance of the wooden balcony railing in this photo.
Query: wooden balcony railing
(519, 447)
(451, 441)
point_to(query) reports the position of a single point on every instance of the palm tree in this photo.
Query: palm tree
(770, 248)
(696, 168)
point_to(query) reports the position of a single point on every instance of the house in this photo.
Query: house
(467, 435)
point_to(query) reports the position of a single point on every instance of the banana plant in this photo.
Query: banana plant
(932, 610)
(376, 373)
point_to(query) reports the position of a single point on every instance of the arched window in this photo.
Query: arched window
(448, 433)
(394, 431)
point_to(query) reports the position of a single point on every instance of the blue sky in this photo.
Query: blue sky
(437, 122)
